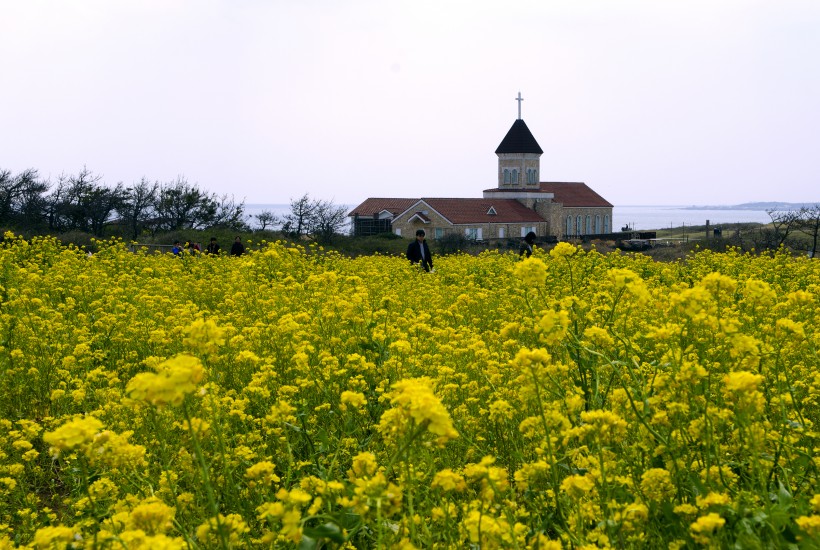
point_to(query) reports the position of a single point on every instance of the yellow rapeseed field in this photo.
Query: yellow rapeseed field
(294, 398)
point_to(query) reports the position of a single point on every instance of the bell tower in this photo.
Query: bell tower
(519, 157)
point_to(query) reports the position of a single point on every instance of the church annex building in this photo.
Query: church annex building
(521, 203)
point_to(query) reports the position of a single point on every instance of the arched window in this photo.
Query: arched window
(569, 226)
(578, 227)
(507, 178)
(606, 223)
(597, 224)
(515, 176)
(588, 227)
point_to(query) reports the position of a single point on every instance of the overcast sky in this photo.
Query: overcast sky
(648, 102)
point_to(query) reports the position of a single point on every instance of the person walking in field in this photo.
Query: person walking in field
(213, 247)
(419, 252)
(526, 244)
(237, 248)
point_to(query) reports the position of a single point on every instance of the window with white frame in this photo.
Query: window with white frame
(438, 233)
(398, 231)
(473, 233)
(502, 232)
(527, 229)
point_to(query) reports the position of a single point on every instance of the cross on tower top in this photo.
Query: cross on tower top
(519, 99)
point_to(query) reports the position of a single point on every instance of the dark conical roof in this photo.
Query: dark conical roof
(519, 140)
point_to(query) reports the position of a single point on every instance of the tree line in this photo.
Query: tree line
(788, 223)
(83, 202)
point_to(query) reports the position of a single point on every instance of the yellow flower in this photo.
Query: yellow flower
(742, 381)
(705, 527)
(656, 484)
(57, 536)
(487, 531)
(448, 480)
(532, 272)
(810, 524)
(262, 473)
(599, 336)
(552, 326)
(152, 516)
(563, 250)
(576, 486)
(626, 280)
(713, 499)
(364, 465)
(73, 434)
(204, 335)
(815, 503)
(355, 399)
(232, 527)
(176, 378)
(414, 398)
(759, 292)
(501, 410)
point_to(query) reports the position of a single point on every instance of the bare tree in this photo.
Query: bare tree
(183, 205)
(316, 218)
(328, 220)
(83, 203)
(21, 197)
(783, 223)
(267, 218)
(298, 222)
(138, 207)
(229, 213)
(809, 224)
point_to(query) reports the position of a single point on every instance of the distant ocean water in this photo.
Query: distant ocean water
(640, 218)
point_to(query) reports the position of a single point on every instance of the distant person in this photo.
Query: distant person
(526, 244)
(213, 247)
(237, 248)
(176, 250)
(419, 252)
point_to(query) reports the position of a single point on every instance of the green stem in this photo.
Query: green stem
(203, 470)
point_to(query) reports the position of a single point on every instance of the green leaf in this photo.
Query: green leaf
(308, 543)
(327, 531)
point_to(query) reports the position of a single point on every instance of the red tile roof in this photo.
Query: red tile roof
(462, 211)
(374, 206)
(574, 194)
(569, 194)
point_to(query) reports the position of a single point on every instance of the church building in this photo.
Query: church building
(520, 203)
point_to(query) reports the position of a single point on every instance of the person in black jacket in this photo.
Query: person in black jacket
(213, 247)
(526, 245)
(237, 248)
(419, 252)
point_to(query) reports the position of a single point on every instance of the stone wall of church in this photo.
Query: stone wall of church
(521, 162)
(402, 226)
(589, 224)
(489, 231)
